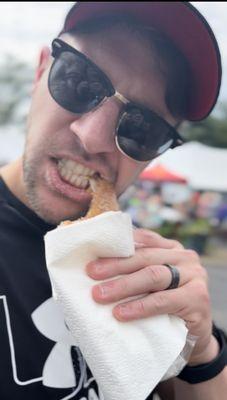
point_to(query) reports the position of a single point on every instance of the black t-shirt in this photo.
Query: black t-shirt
(37, 359)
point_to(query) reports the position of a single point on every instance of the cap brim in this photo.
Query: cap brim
(186, 27)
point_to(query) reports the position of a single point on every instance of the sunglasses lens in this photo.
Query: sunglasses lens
(75, 84)
(143, 135)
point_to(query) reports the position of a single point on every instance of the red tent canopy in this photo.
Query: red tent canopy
(159, 173)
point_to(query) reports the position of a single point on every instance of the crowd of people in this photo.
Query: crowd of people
(190, 215)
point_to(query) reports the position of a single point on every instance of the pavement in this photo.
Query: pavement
(216, 266)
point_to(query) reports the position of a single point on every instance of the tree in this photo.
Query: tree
(211, 131)
(15, 89)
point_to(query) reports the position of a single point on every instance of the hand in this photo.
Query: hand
(144, 275)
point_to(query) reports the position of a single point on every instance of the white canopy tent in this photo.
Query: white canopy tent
(204, 167)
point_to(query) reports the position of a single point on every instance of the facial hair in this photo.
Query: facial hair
(32, 160)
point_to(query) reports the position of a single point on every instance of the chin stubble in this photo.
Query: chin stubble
(41, 207)
(32, 195)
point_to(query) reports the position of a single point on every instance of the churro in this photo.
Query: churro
(103, 199)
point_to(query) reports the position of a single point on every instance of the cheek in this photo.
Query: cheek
(47, 122)
(45, 113)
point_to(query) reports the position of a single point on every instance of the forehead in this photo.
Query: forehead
(129, 62)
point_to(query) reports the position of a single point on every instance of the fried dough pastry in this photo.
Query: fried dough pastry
(103, 199)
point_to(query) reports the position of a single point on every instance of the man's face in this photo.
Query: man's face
(61, 146)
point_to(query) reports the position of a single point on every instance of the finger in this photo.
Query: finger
(150, 279)
(147, 238)
(165, 302)
(109, 267)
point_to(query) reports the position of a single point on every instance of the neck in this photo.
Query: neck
(12, 174)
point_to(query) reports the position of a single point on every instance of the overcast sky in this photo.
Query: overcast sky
(26, 26)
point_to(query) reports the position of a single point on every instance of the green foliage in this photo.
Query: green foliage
(168, 230)
(199, 226)
(193, 234)
(15, 88)
(212, 131)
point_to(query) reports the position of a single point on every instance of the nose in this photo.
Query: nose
(96, 129)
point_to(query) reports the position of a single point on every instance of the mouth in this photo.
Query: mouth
(75, 173)
(68, 179)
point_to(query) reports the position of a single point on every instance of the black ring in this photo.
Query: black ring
(175, 277)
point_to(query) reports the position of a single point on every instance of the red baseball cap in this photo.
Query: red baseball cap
(186, 27)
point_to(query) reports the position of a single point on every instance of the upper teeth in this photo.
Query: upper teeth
(75, 173)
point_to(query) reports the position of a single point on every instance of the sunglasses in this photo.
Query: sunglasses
(79, 86)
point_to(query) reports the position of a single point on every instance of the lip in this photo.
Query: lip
(56, 183)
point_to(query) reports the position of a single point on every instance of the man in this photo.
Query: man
(106, 101)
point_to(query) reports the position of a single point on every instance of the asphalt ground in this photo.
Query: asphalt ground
(217, 272)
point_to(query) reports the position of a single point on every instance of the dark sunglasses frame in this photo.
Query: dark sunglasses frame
(59, 46)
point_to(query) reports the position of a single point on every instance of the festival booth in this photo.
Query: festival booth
(159, 173)
(192, 177)
(203, 166)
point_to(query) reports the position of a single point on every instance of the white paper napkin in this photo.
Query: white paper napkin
(127, 359)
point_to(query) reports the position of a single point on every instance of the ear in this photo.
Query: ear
(44, 59)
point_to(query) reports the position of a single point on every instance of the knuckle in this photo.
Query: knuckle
(122, 284)
(176, 244)
(141, 307)
(191, 254)
(205, 298)
(159, 302)
(114, 263)
(153, 274)
(204, 273)
(200, 271)
(194, 323)
(144, 255)
(202, 291)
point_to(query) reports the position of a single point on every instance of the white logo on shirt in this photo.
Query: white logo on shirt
(58, 371)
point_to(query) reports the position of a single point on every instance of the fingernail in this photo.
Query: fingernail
(98, 268)
(93, 268)
(124, 310)
(103, 290)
